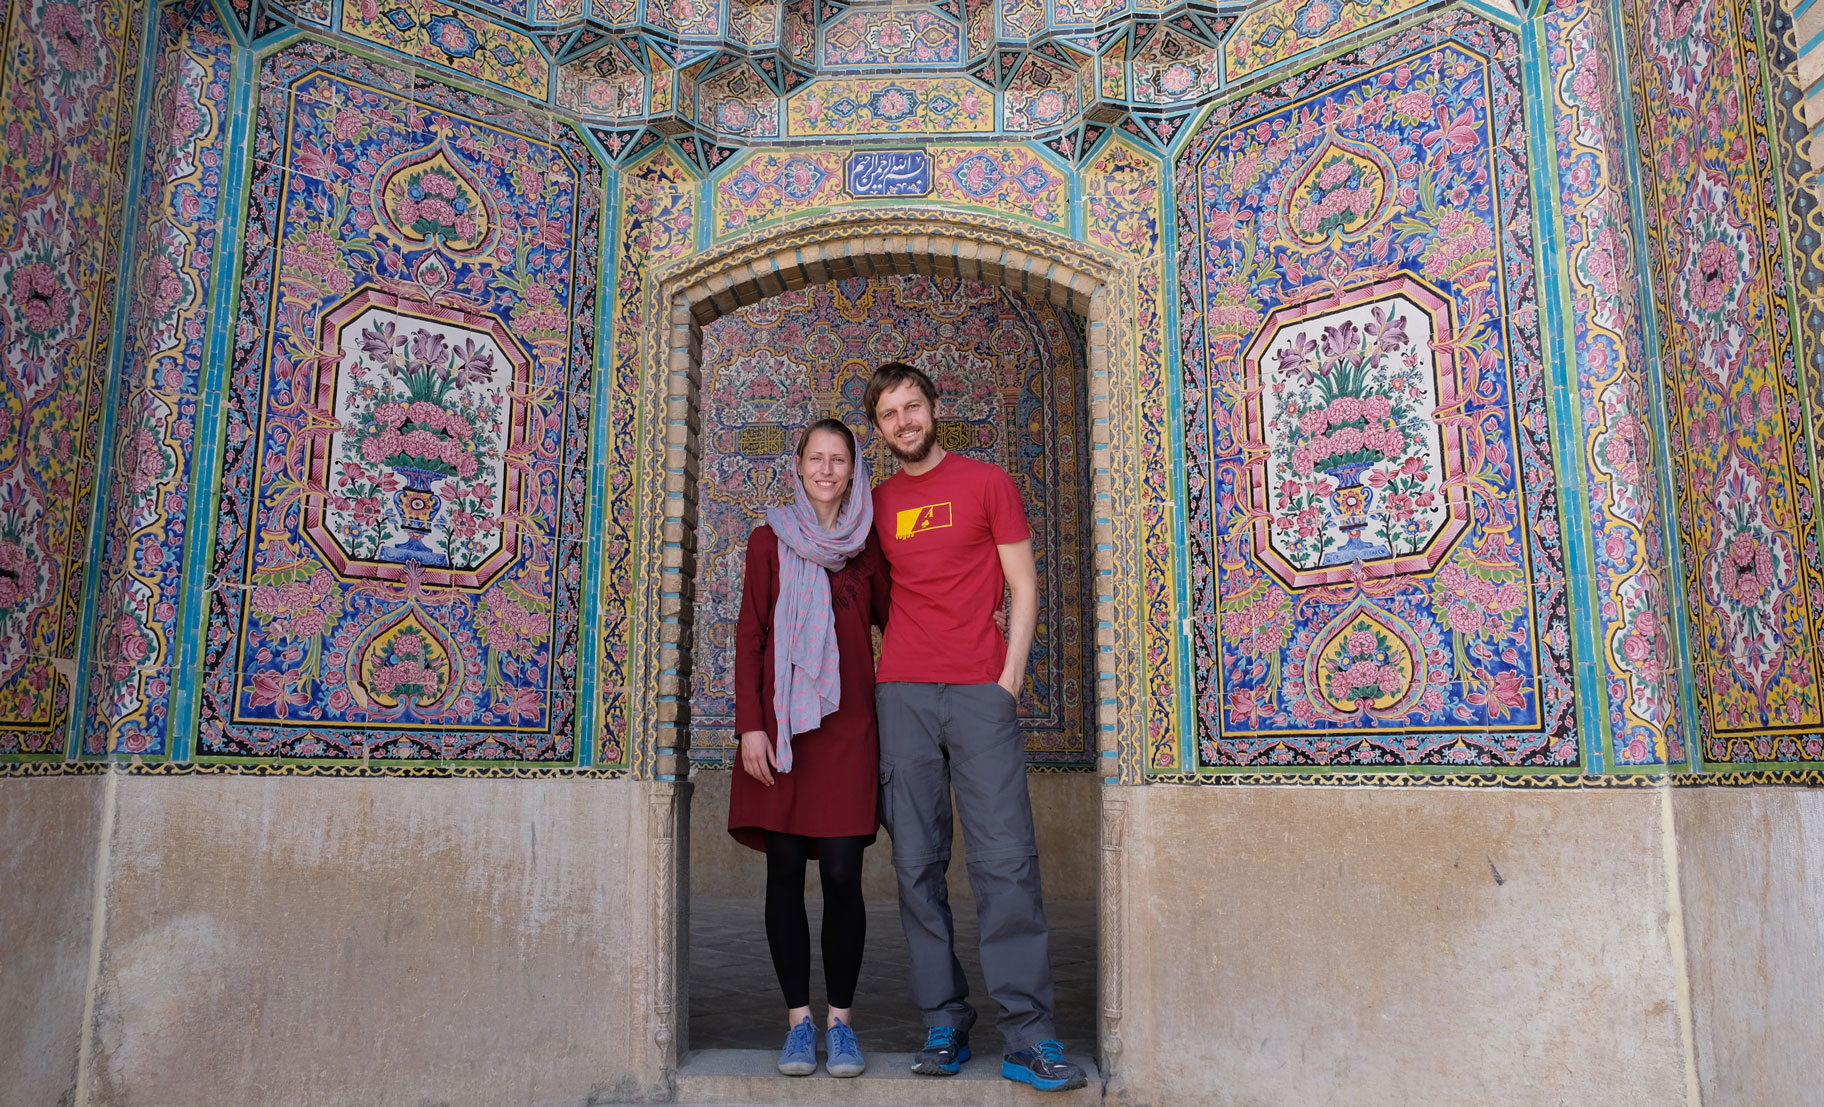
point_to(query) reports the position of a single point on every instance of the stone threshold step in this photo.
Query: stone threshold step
(717, 1077)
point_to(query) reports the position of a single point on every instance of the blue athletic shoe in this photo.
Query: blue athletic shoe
(946, 1048)
(798, 1057)
(1042, 1065)
(844, 1051)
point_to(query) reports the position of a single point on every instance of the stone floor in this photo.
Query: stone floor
(734, 996)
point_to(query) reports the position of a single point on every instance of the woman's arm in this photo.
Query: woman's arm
(880, 603)
(752, 632)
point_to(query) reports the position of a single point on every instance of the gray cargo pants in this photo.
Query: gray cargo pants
(933, 738)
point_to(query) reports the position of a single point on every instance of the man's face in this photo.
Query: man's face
(906, 422)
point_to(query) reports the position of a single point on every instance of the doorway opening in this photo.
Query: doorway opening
(671, 443)
(1011, 373)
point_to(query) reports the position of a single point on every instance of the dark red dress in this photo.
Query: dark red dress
(833, 788)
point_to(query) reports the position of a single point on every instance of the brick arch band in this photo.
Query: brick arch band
(689, 293)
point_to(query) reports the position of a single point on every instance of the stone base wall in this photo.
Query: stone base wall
(1751, 872)
(499, 943)
(385, 942)
(1292, 946)
(50, 837)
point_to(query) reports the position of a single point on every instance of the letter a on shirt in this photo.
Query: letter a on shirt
(917, 520)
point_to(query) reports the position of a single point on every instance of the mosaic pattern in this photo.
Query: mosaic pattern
(929, 105)
(1122, 190)
(1010, 375)
(1377, 570)
(606, 85)
(1629, 559)
(1735, 406)
(69, 71)
(657, 223)
(404, 481)
(877, 39)
(1041, 96)
(161, 378)
(1173, 67)
(737, 102)
(1013, 179)
(1282, 29)
(1059, 69)
(772, 186)
(754, 25)
(448, 36)
(689, 18)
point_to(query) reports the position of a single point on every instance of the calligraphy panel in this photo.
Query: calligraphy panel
(889, 173)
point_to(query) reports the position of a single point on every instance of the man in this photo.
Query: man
(947, 689)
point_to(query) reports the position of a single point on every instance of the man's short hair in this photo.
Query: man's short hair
(891, 376)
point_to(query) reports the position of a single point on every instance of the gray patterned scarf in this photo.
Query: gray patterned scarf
(807, 682)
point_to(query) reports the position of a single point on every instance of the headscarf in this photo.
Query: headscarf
(807, 681)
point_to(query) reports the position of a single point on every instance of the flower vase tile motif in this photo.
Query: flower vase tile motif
(1376, 571)
(68, 71)
(1009, 372)
(405, 476)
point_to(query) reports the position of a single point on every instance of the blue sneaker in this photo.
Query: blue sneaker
(798, 1057)
(946, 1048)
(1042, 1065)
(845, 1057)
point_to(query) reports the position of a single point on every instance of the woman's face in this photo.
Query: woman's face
(826, 468)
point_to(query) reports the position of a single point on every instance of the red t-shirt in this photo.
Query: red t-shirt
(939, 532)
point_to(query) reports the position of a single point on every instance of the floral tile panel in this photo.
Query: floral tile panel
(404, 479)
(1377, 571)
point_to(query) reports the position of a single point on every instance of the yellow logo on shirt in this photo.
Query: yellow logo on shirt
(917, 520)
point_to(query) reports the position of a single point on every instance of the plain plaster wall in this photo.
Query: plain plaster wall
(1377, 947)
(1063, 817)
(50, 834)
(490, 942)
(375, 942)
(1752, 875)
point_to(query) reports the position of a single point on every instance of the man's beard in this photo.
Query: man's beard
(917, 453)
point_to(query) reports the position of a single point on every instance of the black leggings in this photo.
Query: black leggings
(845, 918)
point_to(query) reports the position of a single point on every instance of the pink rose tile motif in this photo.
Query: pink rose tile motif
(1374, 539)
(1746, 492)
(404, 481)
(66, 120)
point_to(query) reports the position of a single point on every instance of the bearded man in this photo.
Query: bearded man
(947, 692)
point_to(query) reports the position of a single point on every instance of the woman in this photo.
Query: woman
(804, 707)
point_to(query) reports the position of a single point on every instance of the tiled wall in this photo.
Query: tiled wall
(1734, 389)
(1380, 570)
(69, 75)
(405, 477)
(1579, 538)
